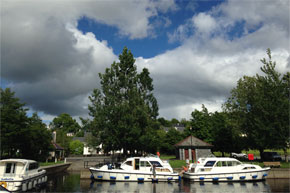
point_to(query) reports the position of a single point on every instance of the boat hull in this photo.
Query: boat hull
(23, 184)
(253, 175)
(132, 176)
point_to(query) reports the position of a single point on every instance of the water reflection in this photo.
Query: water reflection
(71, 182)
(183, 186)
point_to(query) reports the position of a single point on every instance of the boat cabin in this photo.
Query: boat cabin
(146, 164)
(219, 165)
(14, 167)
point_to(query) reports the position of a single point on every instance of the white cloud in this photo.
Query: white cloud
(205, 68)
(204, 23)
(54, 67)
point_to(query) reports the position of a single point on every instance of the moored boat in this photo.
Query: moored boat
(139, 169)
(21, 174)
(224, 170)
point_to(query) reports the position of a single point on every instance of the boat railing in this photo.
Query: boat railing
(98, 164)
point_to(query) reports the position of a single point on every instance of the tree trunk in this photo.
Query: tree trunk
(261, 154)
(285, 153)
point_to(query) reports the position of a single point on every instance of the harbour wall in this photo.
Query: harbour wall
(274, 173)
(56, 168)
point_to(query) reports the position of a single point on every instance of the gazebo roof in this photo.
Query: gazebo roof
(56, 146)
(192, 141)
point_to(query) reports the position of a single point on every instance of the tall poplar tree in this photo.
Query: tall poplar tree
(125, 108)
(260, 107)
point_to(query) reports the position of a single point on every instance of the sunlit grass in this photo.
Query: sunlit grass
(50, 163)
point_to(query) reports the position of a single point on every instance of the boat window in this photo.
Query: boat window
(137, 164)
(10, 168)
(235, 163)
(209, 164)
(33, 166)
(129, 163)
(156, 163)
(219, 164)
(144, 164)
(230, 163)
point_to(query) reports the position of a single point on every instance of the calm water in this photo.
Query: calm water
(71, 182)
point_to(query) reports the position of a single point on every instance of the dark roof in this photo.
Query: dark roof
(193, 141)
(81, 139)
(56, 146)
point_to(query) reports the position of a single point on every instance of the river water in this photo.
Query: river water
(71, 182)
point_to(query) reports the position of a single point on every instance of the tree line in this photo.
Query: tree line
(124, 115)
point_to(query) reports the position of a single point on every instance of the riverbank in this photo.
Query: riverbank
(52, 169)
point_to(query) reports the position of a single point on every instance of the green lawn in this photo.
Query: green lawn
(50, 163)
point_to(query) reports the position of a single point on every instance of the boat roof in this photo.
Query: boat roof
(24, 161)
(219, 159)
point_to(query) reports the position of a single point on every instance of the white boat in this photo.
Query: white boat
(139, 169)
(21, 174)
(224, 170)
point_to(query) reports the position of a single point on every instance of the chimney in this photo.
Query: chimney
(54, 136)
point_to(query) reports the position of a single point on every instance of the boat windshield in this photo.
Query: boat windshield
(156, 163)
(209, 164)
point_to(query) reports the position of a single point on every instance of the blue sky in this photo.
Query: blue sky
(196, 51)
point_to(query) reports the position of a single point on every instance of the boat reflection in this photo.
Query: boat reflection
(183, 186)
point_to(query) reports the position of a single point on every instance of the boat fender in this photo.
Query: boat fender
(24, 187)
(126, 177)
(4, 184)
(29, 185)
(34, 183)
(230, 177)
(179, 178)
(112, 177)
(98, 176)
(45, 178)
(254, 176)
(201, 178)
(242, 177)
(154, 180)
(140, 179)
(215, 179)
(169, 178)
(264, 175)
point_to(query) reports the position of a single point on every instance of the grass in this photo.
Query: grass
(50, 163)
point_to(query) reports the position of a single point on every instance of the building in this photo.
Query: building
(192, 148)
(177, 127)
(89, 151)
(58, 151)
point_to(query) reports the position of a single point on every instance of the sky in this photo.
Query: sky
(196, 51)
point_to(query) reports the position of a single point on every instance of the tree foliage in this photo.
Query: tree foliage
(21, 136)
(65, 123)
(124, 109)
(76, 147)
(260, 107)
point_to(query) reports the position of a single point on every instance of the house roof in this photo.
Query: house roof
(56, 146)
(192, 141)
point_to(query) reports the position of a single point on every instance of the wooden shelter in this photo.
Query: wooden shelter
(192, 148)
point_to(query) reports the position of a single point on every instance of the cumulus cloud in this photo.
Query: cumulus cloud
(53, 66)
(206, 67)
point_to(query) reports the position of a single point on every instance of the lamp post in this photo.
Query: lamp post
(191, 144)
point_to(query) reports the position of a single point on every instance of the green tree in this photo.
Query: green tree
(260, 107)
(76, 147)
(36, 140)
(65, 123)
(201, 125)
(124, 109)
(21, 136)
(226, 138)
(13, 122)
